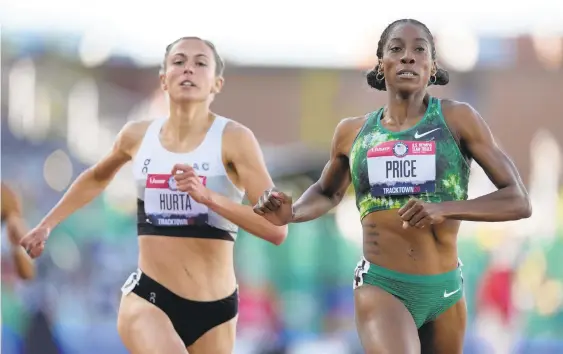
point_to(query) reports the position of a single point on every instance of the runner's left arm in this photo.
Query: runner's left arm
(245, 155)
(510, 201)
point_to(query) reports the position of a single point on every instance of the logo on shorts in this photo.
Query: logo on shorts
(361, 269)
(152, 298)
(400, 149)
(131, 281)
(447, 294)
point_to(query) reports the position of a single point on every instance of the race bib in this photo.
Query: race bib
(166, 206)
(402, 168)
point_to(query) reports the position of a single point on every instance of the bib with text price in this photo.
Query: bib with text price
(402, 168)
(166, 206)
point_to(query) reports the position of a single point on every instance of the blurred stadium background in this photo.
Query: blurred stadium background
(74, 73)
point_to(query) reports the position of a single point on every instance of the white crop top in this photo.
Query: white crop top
(164, 211)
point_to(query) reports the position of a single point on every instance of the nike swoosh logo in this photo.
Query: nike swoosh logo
(418, 136)
(447, 294)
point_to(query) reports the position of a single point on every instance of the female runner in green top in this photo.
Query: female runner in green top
(409, 163)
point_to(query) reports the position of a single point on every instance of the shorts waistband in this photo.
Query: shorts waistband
(374, 269)
(148, 284)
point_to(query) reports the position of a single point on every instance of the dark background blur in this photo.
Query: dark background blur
(65, 95)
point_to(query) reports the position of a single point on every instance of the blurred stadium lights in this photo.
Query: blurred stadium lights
(21, 97)
(65, 253)
(534, 289)
(87, 138)
(42, 124)
(458, 47)
(550, 297)
(545, 170)
(548, 43)
(82, 116)
(144, 36)
(29, 104)
(95, 48)
(529, 277)
(57, 170)
(549, 50)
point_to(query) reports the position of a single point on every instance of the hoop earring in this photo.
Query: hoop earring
(380, 76)
(433, 79)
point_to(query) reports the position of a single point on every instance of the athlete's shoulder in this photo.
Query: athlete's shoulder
(239, 141)
(350, 125)
(452, 109)
(346, 132)
(235, 130)
(462, 118)
(131, 135)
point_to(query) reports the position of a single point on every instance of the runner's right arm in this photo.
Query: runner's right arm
(16, 229)
(95, 179)
(329, 190)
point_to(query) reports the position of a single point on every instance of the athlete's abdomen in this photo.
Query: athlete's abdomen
(430, 250)
(193, 268)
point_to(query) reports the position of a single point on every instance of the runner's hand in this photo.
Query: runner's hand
(417, 213)
(188, 181)
(275, 206)
(34, 242)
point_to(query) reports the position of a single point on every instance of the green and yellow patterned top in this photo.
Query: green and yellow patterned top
(425, 162)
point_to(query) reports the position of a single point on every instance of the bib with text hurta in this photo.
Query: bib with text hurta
(402, 168)
(166, 206)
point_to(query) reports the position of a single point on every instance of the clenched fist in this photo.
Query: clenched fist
(34, 241)
(275, 206)
(188, 181)
(417, 213)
